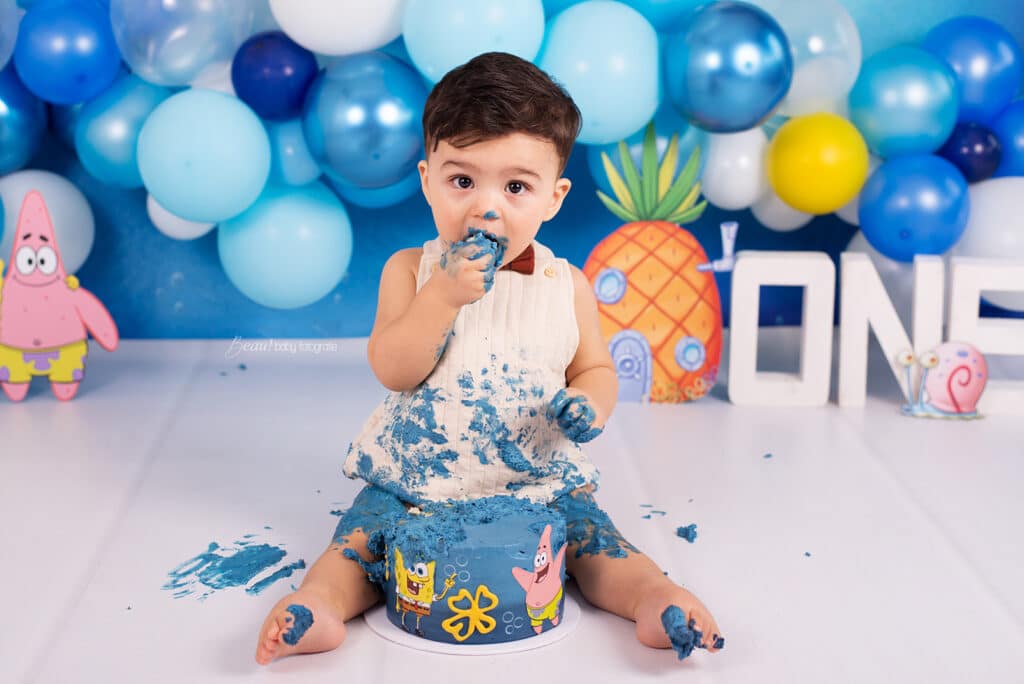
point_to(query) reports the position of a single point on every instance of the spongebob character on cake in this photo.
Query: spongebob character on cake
(414, 588)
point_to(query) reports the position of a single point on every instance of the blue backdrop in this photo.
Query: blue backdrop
(158, 287)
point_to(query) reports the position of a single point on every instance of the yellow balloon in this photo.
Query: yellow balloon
(817, 163)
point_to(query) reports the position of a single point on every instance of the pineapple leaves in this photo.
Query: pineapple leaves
(673, 202)
(618, 210)
(632, 178)
(688, 215)
(668, 166)
(649, 173)
(618, 187)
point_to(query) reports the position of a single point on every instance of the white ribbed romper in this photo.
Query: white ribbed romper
(476, 426)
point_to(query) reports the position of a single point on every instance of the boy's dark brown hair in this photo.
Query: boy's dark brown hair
(495, 94)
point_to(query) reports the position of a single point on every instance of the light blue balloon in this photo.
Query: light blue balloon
(22, 122)
(290, 248)
(69, 210)
(107, 130)
(904, 101)
(666, 122)
(605, 54)
(442, 34)
(363, 119)
(204, 155)
(291, 161)
(553, 7)
(728, 67)
(377, 198)
(9, 20)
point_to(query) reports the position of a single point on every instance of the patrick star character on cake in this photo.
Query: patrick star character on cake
(414, 589)
(44, 314)
(543, 586)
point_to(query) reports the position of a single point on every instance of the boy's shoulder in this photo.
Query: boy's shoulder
(408, 257)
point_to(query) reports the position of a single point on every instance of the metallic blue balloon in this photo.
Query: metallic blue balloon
(22, 122)
(362, 119)
(271, 73)
(914, 204)
(66, 51)
(728, 68)
(904, 101)
(107, 130)
(974, 149)
(1009, 129)
(987, 61)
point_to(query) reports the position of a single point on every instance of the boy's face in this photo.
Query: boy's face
(507, 186)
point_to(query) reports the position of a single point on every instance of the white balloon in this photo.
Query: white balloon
(848, 212)
(995, 228)
(339, 27)
(73, 223)
(826, 50)
(174, 226)
(217, 77)
(734, 174)
(772, 212)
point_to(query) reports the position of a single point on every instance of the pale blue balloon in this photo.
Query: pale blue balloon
(9, 20)
(666, 123)
(377, 198)
(291, 161)
(905, 101)
(204, 155)
(605, 54)
(290, 248)
(107, 130)
(69, 210)
(442, 34)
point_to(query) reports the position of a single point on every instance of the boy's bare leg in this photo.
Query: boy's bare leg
(334, 590)
(636, 589)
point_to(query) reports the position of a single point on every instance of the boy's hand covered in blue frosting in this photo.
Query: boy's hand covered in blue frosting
(574, 414)
(470, 265)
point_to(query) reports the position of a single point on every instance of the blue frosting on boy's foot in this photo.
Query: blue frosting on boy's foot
(719, 642)
(303, 621)
(680, 632)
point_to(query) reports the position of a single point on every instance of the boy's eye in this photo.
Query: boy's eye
(516, 188)
(464, 182)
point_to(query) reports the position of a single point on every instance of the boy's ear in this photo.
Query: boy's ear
(562, 187)
(422, 167)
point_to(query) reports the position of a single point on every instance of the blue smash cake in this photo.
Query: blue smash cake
(475, 572)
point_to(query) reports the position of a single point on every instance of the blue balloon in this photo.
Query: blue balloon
(64, 119)
(22, 122)
(362, 119)
(914, 204)
(271, 73)
(605, 54)
(553, 7)
(987, 61)
(9, 20)
(974, 149)
(204, 155)
(107, 130)
(291, 162)
(442, 34)
(1009, 129)
(666, 16)
(728, 67)
(666, 122)
(290, 248)
(377, 198)
(904, 101)
(66, 52)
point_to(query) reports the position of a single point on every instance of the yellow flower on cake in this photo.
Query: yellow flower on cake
(475, 615)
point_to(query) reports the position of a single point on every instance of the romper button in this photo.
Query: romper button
(549, 271)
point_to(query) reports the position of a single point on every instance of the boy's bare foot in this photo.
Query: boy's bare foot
(651, 631)
(303, 622)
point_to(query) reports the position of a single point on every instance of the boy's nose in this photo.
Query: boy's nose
(490, 215)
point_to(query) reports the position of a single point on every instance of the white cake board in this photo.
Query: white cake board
(377, 619)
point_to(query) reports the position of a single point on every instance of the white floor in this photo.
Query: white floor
(913, 529)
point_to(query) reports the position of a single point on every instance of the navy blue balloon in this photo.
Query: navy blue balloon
(362, 119)
(974, 149)
(728, 68)
(271, 73)
(66, 51)
(914, 204)
(22, 122)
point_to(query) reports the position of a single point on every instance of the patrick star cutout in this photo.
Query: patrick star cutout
(543, 586)
(44, 314)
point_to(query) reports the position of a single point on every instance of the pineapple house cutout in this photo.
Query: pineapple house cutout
(657, 299)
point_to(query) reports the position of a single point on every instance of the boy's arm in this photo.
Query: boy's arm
(411, 329)
(592, 371)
